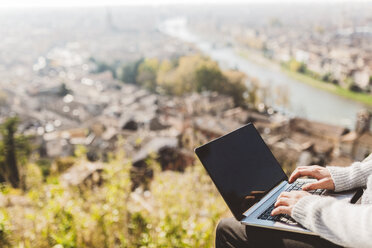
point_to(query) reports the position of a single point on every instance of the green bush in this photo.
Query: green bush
(62, 164)
(4, 228)
(188, 74)
(179, 210)
(45, 166)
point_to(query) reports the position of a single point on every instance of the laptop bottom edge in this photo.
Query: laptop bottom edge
(282, 227)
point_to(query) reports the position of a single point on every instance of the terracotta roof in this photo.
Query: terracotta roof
(318, 129)
(154, 146)
(350, 137)
(304, 140)
(341, 161)
(366, 139)
(78, 173)
(215, 125)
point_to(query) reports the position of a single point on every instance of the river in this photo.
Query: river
(304, 100)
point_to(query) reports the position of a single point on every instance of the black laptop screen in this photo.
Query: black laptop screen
(242, 167)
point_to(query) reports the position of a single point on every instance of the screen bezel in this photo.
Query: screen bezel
(238, 215)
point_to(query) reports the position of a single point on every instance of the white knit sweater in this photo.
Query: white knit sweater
(342, 223)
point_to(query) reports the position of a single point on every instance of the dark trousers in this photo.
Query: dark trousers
(232, 234)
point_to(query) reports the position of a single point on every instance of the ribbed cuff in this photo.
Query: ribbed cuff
(341, 177)
(303, 207)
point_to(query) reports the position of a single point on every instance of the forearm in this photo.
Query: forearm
(338, 221)
(351, 177)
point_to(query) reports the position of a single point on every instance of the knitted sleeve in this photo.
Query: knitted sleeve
(340, 222)
(351, 177)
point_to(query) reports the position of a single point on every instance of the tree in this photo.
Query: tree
(327, 77)
(182, 80)
(296, 66)
(302, 69)
(129, 72)
(14, 150)
(236, 86)
(253, 93)
(147, 74)
(194, 73)
(354, 87)
(209, 77)
(166, 78)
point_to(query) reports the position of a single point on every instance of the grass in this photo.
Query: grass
(180, 210)
(335, 89)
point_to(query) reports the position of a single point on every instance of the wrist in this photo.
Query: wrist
(301, 208)
(340, 178)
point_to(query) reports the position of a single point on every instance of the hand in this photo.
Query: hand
(322, 174)
(286, 201)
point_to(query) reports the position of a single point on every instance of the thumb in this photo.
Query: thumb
(321, 184)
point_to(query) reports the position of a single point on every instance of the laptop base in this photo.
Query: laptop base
(251, 216)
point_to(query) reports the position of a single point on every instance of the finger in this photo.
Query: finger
(312, 186)
(293, 177)
(284, 194)
(281, 210)
(281, 202)
(296, 172)
(310, 172)
(321, 184)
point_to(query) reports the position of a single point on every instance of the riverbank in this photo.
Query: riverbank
(335, 89)
(256, 57)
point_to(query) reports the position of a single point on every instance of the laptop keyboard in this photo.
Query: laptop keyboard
(284, 217)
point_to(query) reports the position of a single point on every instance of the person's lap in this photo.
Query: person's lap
(231, 233)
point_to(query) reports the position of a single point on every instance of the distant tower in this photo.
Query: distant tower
(363, 122)
(109, 24)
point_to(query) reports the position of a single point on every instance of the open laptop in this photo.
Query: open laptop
(250, 179)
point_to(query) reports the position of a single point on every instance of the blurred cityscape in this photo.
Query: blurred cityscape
(81, 85)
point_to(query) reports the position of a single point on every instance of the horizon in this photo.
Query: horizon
(6, 4)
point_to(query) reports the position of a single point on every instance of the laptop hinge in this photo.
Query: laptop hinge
(265, 198)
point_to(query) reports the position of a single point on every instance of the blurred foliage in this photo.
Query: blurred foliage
(296, 66)
(300, 67)
(147, 72)
(35, 176)
(3, 98)
(178, 210)
(188, 74)
(348, 85)
(62, 164)
(14, 152)
(80, 151)
(4, 229)
(101, 66)
(129, 72)
(45, 166)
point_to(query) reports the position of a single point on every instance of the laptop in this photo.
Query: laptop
(250, 179)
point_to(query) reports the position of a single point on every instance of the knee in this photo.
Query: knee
(221, 232)
(223, 226)
(230, 233)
